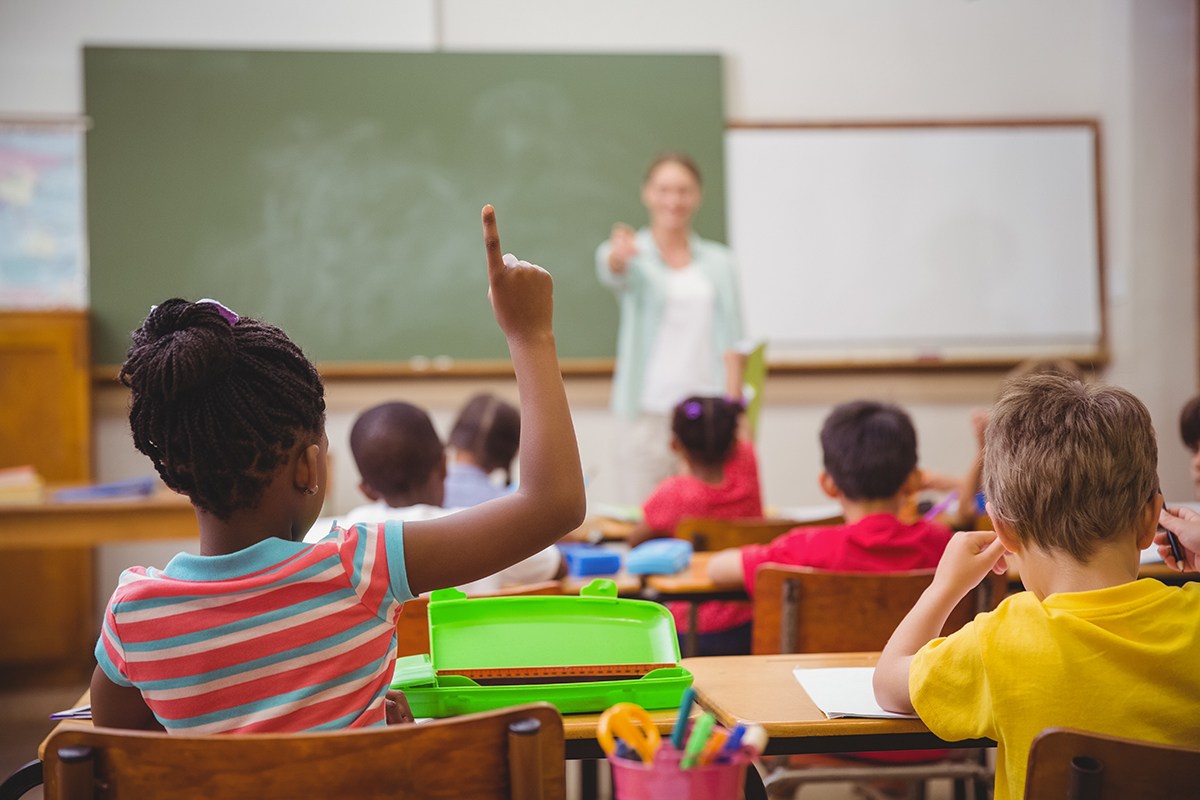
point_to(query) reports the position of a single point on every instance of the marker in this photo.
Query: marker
(1173, 543)
(733, 743)
(685, 710)
(941, 506)
(715, 743)
(697, 740)
(755, 739)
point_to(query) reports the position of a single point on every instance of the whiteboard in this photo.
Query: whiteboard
(912, 243)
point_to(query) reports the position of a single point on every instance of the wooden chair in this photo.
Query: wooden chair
(718, 534)
(514, 752)
(1066, 764)
(412, 626)
(805, 610)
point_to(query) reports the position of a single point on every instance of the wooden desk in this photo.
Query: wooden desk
(165, 515)
(595, 530)
(762, 689)
(47, 599)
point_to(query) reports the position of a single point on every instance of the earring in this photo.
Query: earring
(311, 490)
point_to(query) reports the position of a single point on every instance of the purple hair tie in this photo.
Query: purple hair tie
(693, 409)
(226, 313)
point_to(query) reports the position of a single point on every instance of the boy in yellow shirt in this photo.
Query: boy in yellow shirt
(1070, 476)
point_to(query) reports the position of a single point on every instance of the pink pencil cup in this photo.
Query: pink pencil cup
(633, 780)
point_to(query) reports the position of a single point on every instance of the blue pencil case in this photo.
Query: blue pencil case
(659, 557)
(584, 560)
(133, 487)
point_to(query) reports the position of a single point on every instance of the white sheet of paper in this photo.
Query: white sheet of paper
(843, 692)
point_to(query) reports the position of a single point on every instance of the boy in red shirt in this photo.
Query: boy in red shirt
(870, 451)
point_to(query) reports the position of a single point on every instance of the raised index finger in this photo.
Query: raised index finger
(491, 242)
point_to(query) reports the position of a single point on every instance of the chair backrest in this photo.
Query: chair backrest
(1066, 764)
(514, 752)
(805, 610)
(412, 626)
(707, 533)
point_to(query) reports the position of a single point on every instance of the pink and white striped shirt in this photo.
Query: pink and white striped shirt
(279, 637)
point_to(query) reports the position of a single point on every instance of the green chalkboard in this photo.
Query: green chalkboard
(337, 194)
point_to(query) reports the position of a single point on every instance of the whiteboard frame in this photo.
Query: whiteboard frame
(1094, 355)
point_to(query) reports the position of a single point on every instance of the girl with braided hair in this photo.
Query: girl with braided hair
(262, 632)
(719, 480)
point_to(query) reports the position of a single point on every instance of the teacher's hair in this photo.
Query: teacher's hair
(676, 157)
(218, 401)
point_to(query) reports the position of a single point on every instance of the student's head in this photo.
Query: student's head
(1189, 431)
(671, 190)
(705, 429)
(399, 456)
(1046, 366)
(1068, 466)
(488, 430)
(220, 403)
(870, 450)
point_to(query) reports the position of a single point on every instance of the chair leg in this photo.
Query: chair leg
(960, 789)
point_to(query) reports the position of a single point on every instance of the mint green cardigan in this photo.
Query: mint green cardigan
(641, 291)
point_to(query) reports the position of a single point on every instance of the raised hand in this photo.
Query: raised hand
(522, 294)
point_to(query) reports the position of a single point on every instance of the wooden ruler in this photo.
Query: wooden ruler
(558, 674)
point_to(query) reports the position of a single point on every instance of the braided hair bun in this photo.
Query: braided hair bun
(218, 401)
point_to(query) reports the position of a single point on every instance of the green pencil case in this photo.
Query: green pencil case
(583, 654)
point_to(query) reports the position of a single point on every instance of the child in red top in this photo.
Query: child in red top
(870, 458)
(720, 480)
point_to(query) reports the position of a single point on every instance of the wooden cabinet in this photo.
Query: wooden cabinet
(46, 594)
(45, 394)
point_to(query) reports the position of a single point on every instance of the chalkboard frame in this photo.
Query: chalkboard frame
(1093, 355)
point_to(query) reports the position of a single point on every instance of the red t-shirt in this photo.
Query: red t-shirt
(876, 543)
(737, 495)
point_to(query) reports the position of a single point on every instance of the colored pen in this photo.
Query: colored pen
(1173, 543)
(755, 739)
(713, 747)
(697, 740)
(733, 742)
(679, 732)
(941, 506)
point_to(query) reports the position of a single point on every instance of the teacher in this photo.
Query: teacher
(680, 316)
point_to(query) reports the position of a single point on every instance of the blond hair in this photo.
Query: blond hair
(1068, 465)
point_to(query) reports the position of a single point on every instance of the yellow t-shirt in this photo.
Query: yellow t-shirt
(1123, 661)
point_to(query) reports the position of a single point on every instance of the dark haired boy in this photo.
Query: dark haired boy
(1189, 431)
(870, 452)
(402, 467)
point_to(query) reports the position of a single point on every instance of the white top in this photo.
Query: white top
(541, 566)
(681, 363)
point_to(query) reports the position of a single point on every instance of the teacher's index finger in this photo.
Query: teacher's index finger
(491, 242)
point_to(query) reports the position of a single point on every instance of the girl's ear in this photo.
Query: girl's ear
(370, 493)
(307, 473)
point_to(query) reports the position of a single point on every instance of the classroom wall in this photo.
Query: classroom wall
(1129, 63)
